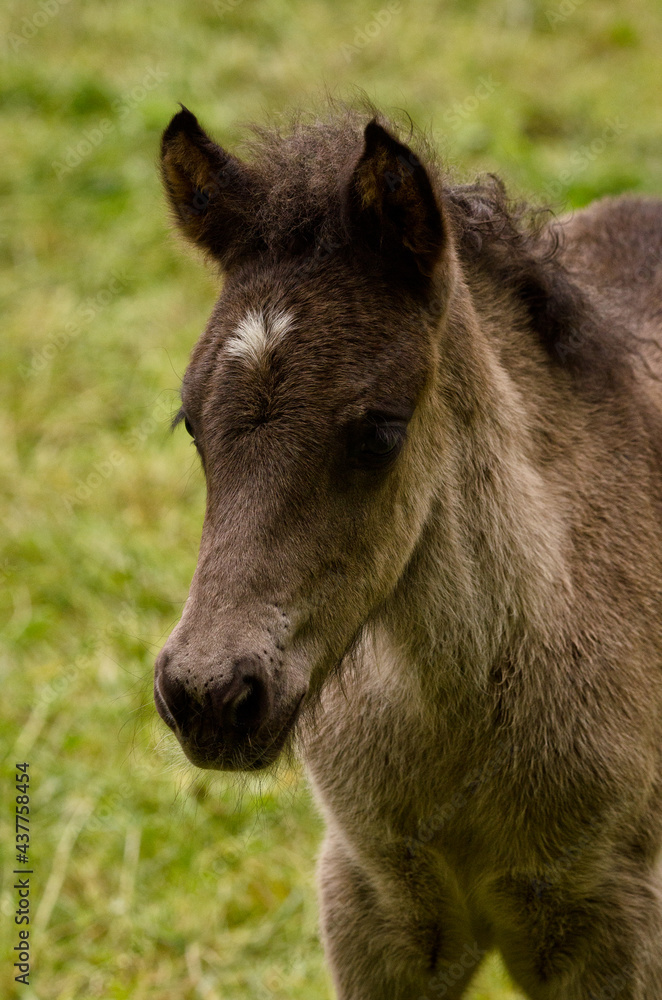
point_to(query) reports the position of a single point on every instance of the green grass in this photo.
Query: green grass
(149, 882)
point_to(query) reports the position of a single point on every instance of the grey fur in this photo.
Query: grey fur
(488, 754)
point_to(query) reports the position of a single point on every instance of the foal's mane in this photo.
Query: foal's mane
(303, 163)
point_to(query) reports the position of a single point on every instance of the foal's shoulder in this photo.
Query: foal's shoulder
(614, 247)
(614, 238)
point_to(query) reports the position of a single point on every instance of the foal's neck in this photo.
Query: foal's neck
(489, 566)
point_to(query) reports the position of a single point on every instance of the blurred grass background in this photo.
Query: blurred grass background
(150, 882)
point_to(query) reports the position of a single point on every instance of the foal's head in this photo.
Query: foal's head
(309, 400)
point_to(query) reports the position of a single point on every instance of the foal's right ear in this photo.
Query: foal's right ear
(211, 192)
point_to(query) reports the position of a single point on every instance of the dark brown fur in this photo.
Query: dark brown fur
(489, 756)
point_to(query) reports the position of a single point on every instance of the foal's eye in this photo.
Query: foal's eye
(377, 442)
(189, 428)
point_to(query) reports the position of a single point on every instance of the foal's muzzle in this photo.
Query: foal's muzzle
(229, 722)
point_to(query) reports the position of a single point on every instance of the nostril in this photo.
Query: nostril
(172, 700)
(243, 703)
(228, 706)
(249, 708)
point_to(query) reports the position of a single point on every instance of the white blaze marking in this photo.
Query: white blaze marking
(257, 334)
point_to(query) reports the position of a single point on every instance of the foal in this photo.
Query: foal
(432, 441)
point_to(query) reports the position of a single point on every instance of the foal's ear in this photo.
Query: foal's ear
(392, 203)
(210, 191)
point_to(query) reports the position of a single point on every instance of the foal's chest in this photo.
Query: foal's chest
(455, 799)
(384, 776)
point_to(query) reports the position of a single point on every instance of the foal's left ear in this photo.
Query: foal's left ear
(392, 203)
